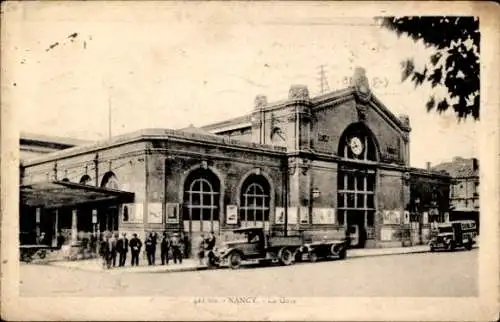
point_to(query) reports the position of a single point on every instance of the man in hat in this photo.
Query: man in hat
(122, 248)
(135, 248)
(164, 247)
(176, 248)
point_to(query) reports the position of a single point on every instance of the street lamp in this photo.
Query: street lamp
(316, 193)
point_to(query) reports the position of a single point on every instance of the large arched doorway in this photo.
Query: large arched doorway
(255, 202)
(108, 218)
(356, 182)
(201, 202)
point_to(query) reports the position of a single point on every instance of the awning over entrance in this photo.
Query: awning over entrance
(59, 194)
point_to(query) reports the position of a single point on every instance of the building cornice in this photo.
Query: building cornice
(157, 134)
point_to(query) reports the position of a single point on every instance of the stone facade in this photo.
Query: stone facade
(310, 165)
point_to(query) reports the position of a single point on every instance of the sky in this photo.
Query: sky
(172, 64)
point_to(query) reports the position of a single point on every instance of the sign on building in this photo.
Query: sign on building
(155, 213)
(323, 215)
(172, 213)
(231, 214)
(133, 212)
(292, 216)
(279, 215)
(304, 215)
(391, 217)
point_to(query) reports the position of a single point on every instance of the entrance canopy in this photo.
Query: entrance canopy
(60, 194)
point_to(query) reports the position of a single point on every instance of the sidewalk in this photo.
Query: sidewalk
(193, 265)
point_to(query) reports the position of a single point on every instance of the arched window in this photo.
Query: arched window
(86, 180)
(110, 181)
(254, 202)
(358, 143)
(201, 202)
(356, 183)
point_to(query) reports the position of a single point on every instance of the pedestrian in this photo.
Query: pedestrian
(201, 248)
(176, 248)
(135, 248)
(186, 245)
(103, 251)
(211, 241)
(60, 240)
(148, 243)
(113, 249)
(164, 248)
(154, 237)
(122, 248)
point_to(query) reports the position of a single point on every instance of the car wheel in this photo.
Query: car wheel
(468, 245)
(42, 254)
(235, 260)
(432, 249)
(298, 256)
(313, 257)
(286, 257)
(342, 254)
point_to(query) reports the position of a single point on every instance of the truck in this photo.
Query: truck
(254, 244)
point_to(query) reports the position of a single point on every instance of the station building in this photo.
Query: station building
(308, 165)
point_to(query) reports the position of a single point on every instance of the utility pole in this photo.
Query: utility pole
(109, 112)
(323, 81)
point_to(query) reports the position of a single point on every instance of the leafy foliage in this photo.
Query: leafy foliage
(454, 63)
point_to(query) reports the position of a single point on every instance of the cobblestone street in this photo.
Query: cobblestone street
(409, 275)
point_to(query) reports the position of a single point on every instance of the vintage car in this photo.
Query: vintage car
(454, 234)
(323, 249)
(254, 244)
(28, 252)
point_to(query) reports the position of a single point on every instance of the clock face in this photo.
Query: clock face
(356, 145)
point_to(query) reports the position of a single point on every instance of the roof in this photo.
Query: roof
(154, 134)
(240, 120)
(458, 168)
(195, 130)
(241, 230)
(58, 193)
(333, 97)
(25, 136)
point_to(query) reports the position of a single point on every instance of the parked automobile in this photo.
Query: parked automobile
(253, 243)
(323, 249)
(28, 252)
(454, 234)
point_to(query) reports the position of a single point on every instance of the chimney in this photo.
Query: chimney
(428, 166)
(475, 164)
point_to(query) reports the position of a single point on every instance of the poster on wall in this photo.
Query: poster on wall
(324, 216)
(425, 219)
(132, 212)
(172, 213)
(391, 217)
(304, 215)
(231, 214)
(155, 213)
(292, 216)
(406, 217)
(279, 216)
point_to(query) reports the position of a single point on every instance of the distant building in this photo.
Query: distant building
(33, 145)
(464, 191)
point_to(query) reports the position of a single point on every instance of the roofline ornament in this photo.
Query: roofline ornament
(361, 84)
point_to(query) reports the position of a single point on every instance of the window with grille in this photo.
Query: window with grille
(254, 202)
(201, 202)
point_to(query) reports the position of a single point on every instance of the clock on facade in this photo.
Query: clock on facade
(356, 145)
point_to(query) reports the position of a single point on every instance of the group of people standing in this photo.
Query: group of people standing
(113, 246)
(206, 245)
